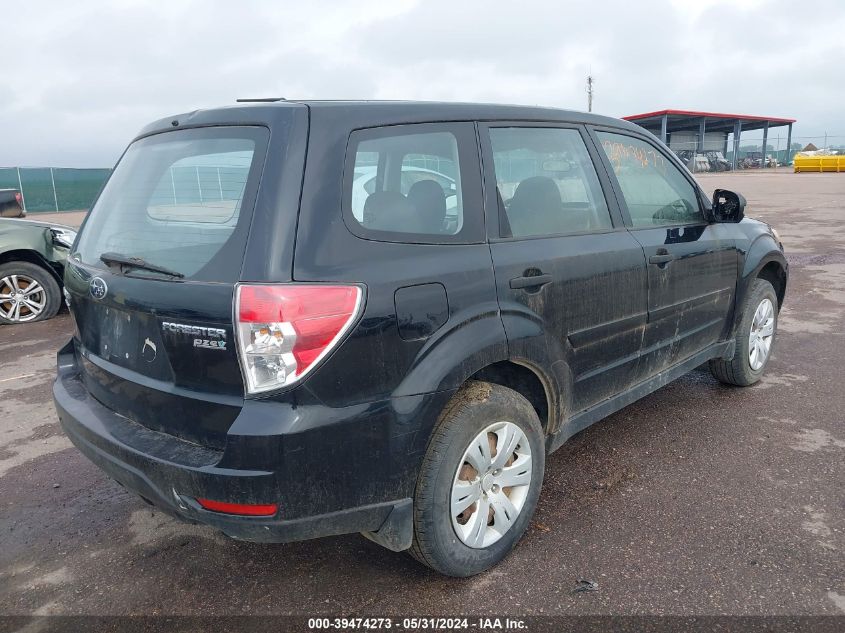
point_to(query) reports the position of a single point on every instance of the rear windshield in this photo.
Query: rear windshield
(179, 200)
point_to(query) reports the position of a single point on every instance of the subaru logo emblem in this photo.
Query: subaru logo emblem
(98, 288)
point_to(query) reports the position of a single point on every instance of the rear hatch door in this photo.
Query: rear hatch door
(151, 279)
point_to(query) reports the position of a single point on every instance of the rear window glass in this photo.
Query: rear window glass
(178, 200)
(206, 187)
(406, 184)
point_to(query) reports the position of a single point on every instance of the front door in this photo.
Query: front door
(571, 280)
(692, 265)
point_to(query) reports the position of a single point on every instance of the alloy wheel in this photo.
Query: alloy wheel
(762, 334)
(22, 298)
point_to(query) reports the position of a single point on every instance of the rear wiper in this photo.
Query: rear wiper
(126, 262)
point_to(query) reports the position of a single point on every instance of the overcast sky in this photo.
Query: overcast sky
(80, 78)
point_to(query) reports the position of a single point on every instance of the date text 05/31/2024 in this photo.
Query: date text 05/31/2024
(418, 624)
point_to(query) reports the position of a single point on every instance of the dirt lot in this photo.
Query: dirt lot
(698, 499)
(69, 218)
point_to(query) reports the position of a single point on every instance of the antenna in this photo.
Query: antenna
(590, 92)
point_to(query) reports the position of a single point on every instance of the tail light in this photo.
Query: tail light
(19, 198)
(285, 330)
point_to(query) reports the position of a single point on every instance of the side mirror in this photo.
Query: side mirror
(727, 206)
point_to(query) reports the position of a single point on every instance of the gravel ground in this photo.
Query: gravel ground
(698, 499)
(68, 218)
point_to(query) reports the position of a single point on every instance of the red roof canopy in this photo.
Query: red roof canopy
(709, 115)
(677, 120)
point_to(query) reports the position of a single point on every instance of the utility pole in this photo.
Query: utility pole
(589, 93)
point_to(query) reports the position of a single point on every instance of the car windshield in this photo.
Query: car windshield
(177, 202)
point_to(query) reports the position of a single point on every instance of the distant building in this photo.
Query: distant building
(810, 148)
(689, 133)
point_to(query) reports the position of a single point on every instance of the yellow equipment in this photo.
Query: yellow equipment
(819, 163)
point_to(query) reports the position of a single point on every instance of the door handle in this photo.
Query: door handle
(530, 281)
(661, 256)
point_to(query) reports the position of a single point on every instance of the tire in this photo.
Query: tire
(744, 369)
(507, 417)
(17, 278)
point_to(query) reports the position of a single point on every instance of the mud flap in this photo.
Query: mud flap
(397, 530)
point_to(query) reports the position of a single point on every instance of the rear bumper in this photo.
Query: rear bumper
(293, 462)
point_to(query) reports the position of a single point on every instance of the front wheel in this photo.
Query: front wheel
(755, 338)
(27, 293)
(479, 482)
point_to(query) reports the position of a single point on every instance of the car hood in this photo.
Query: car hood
(38, 223)
(755, 226)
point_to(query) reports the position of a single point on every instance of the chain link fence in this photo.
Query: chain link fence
(52, 189)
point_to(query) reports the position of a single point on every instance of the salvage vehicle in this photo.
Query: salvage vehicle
(717, 160)
(256, 353)
(11, 204)
(32, 260)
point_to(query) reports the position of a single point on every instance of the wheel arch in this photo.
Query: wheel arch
(32, 257)
(775, 274)
(466, 343)
(764, 260)
(528, 381)
(478, 349)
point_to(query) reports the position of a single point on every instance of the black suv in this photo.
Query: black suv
(298, 319)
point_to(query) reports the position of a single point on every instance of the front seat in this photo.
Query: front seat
(536, 208)
(428, 197)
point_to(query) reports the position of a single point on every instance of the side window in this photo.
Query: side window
(655, 190)
(407, 182)
(547, 182)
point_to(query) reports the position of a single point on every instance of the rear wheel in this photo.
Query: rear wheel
(27, 293)
(480, 480)
(754, 338)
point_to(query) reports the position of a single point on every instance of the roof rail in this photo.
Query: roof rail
(260, 99)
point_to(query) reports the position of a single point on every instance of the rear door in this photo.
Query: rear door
(692, 265)
(563, 259)
(155, 343)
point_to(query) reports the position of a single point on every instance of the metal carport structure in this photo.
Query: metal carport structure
(664, 123)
